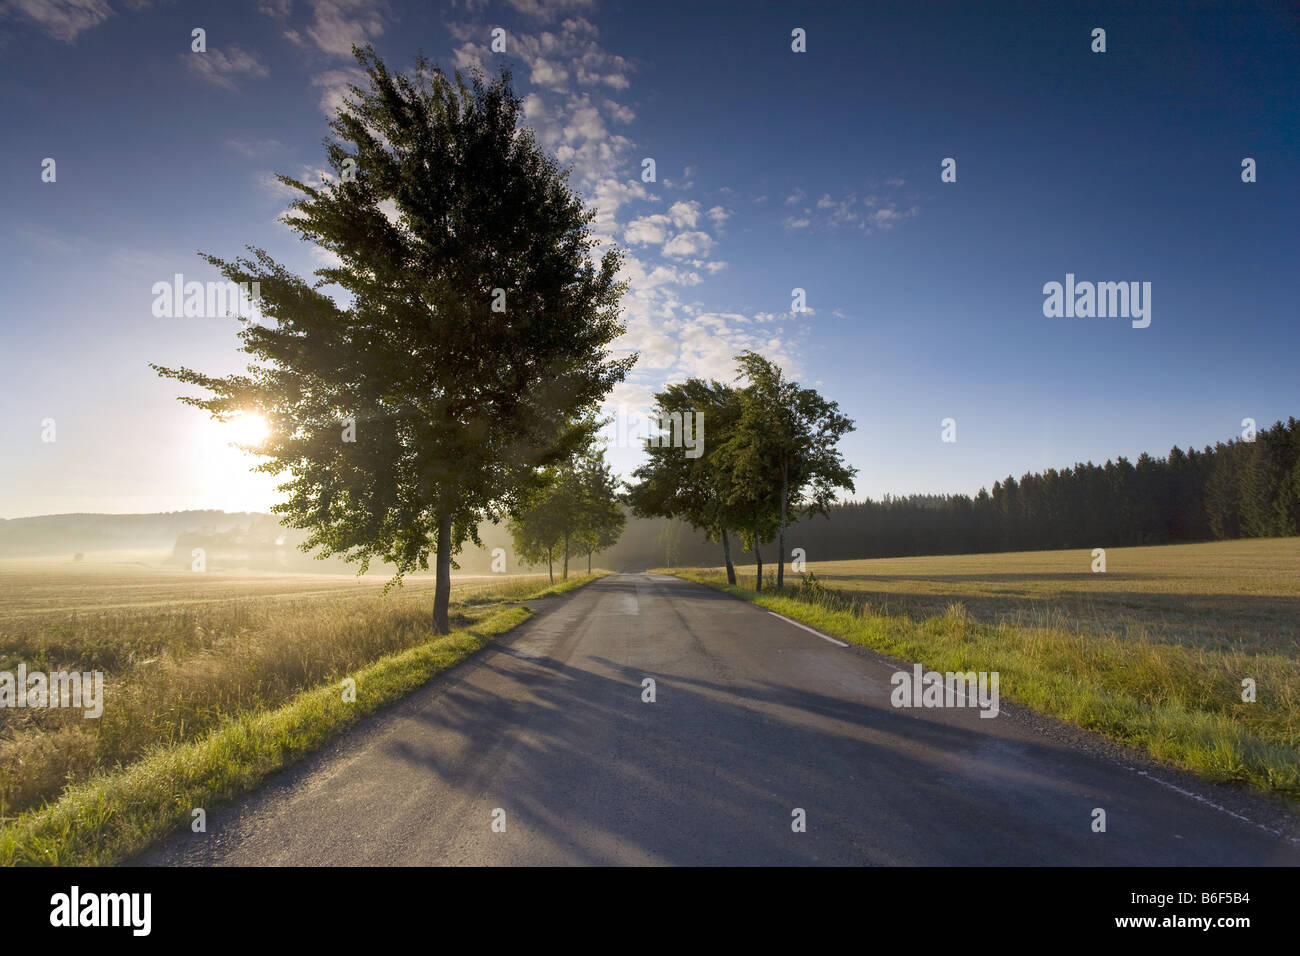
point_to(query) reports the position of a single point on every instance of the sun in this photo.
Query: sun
(246, 428)
(223, 461)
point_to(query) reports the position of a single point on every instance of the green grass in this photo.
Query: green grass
(1178, 701)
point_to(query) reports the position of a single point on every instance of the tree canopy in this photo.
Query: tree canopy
(474, 337)
(573, 508)
(673, 484)
(770, 452)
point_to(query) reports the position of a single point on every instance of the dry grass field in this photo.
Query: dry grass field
(1229, 594)
(181, 652)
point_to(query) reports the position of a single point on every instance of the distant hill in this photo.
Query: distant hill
(53, 535)
(262, 543)
(258, 541)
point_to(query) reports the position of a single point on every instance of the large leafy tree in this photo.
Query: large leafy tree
(476, 325)
(673, 484)
(782, 452)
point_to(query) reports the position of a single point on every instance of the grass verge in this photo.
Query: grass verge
(119, 813)
(1182, 705)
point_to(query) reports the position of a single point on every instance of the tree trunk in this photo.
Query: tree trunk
(550, 566)
(726, 556)
(442, 589)
(566, 556)
(588, 562)
(758, 559)
(780, 555)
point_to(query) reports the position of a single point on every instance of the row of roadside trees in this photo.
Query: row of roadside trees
(574, 509)
(769, 457)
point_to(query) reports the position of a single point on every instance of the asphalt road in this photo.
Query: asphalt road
(753, 718)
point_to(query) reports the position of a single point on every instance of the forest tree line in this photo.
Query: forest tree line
(1235, 489)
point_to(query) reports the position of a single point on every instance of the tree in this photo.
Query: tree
(477, 328)
(601, 519)
(573, 505)
(783, 450)
(538, 525)
(675, 484)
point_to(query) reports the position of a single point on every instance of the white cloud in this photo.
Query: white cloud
(589, 77)
(220, 68)
(576, 133)
(684, 213)
(797, 196)
(548, 10)
(327, 258)
(334, 87)
(621, 113)
(389, 208)
(268, 183)
(277, 9)
(686, 182)
(658, 349)
(337, 24)
(61, 19)
(548, 74)
(610, 195)
(868, 213)
(652, 230)
(578, 119)
(688, 244)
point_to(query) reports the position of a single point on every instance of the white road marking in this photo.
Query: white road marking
(1210, 803)
(808, 629)
(1141, 773)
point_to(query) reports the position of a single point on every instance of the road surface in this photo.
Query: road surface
(754, 718)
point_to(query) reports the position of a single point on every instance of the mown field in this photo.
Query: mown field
(1152, 652)
(1228, 594)
(183, 652)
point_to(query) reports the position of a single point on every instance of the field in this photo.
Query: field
(183, 652)
(1152, 652)
(1231, 594)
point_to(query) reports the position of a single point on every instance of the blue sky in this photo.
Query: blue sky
(775, 170)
